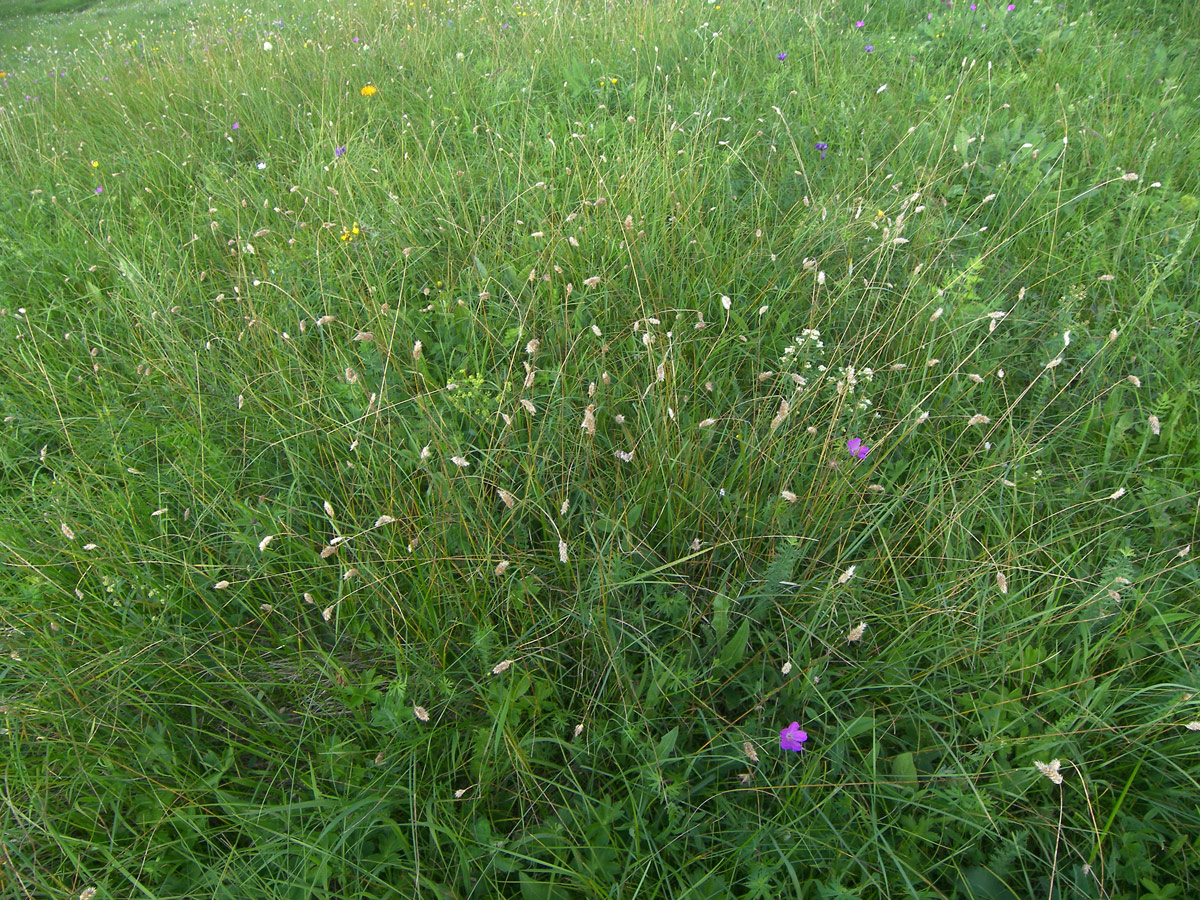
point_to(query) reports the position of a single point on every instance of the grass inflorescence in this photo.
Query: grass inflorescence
(445, 445)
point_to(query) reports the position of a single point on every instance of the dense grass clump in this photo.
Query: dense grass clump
(444, 445)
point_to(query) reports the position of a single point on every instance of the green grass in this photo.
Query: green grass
(612, 235)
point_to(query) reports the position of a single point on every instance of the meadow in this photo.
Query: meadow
(445, 447)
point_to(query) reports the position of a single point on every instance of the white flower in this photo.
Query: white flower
(786, 668)
(262, 545)
(1051, 770)
(267, 45)
(261, 166)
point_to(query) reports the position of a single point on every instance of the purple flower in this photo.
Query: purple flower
(781, 57)
(870, 48)
(857, 448)
(1011, 7)
(972, 7)
(859, 24)
(236, 126)
(99, 189)
(338, 151)
(822, 146)
(792, 738)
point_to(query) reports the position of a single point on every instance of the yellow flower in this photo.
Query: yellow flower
(368, 90)
(95, 165)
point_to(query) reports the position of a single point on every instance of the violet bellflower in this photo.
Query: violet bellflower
(857, 448)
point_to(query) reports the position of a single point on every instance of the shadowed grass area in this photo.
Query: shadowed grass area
(13, 8)
(444, 445)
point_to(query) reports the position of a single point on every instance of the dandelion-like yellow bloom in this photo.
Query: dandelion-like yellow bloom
(368, 90)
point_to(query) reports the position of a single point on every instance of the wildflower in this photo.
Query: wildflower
(792, 738)
(859, 24)
(781, 57)
(1010, 8)
(870, 48)
(856, 633)
(786, 668)
(236, 126)
(421, 713)
(99, 189)
(857, 448)
(502, 667)
(822, 146)
(339, 152)
(267, 46)
(1050, 769)
(369, 91)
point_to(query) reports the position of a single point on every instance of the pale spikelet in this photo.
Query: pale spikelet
(786, 668)
(780, 416)
(328, 509)
(977, 379)
(327, 613)
(458, 795)
(308, 598)
(726, 303)
(1117, 494)
(328, 551)
(578, 730)
(708, 423)
(856, 633)
(788, 496)
(459, 461)
(1054, 363)
(426, 452)
(1184, 551)
(751, 753)
(509, 500)
(923, 417)
(620, 420)
(87, 893)
(625, 457)
(365, 336)
(220, 585)
(596, 331)
(500, 567)
(820, 278)
(349, 573)
(262, 545)
(566, 505)
(530, 374)
(529, 407)
(589, 419)
(592, 282)
(1002, 582)
(1130, 176)
(502, 667)
(1155, 425)
(846, 576)
(532, 347)
(325, 320)
(420, 713)
(66, 531)
(158, 512)
(937, 314)
(979, 419)
(1051, 770)
(1192, 726)
(416, 351)
(562, 551)
(1113, 335)
(660, 372)
(1021, 294)
(384, 520)
(91, 546)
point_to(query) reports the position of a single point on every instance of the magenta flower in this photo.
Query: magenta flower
(792, 738)
(857, 448)
(1011, 7)
(235, 126)
(859, 24)
(99, 190)
(781, 57)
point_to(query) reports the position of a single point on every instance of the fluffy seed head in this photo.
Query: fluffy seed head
(1051, 770)
(421, 713)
